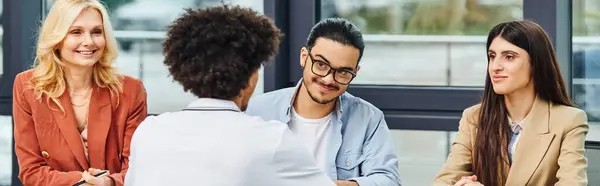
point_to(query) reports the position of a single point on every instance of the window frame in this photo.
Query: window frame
(436, 108)
(406, 107)
(20, 26)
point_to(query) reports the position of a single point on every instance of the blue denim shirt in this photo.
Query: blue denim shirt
(359, 146)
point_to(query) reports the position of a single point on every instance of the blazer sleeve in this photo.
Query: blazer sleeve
(571, 160)
(33, 170)
(137, 114)
(459, 162)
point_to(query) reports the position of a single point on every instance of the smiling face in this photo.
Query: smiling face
(327, 54)
(509, 67)
(84, 43)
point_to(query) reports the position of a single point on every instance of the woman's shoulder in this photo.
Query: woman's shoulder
(470, 115)
(24, 77)
(131, 85)
(472, 110)
(23, 82)
(567, 117)
(565, 110)
(128, 80)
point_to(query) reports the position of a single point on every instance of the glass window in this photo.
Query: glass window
(1, 34)
(6, 132)
(140, 29)
(424, 42)
(586, 57)
(6, 149)
(418, 165)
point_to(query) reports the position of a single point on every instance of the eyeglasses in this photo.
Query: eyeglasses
(322, 69)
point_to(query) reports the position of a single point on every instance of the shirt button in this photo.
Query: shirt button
(347, 164)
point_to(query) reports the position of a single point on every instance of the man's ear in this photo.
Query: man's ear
(303, 56)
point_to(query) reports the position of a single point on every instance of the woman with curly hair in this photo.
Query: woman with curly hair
(215, 54)
(74, 114)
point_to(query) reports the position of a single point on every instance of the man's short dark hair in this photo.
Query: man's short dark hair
(213, 52)
(339, 30)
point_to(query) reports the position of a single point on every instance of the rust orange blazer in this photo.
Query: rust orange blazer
(48, 145)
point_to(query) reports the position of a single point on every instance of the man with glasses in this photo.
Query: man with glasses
(348, 136)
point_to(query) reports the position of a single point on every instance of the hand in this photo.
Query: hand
(90, 180)
(345, 183)
(465, 180)
(474, 184)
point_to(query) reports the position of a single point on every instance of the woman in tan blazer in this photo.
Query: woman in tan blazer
(74, 115)
(526, 130)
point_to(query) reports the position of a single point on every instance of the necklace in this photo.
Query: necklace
(82, 104)
(86, 92)
(87, 100)
(82, 127)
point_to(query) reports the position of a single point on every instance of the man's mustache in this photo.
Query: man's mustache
(326, 85)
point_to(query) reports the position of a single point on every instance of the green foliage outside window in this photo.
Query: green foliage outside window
(454, 17)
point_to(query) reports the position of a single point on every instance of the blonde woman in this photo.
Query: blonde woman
(74, 115)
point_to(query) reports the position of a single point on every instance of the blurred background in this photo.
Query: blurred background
(424, 61)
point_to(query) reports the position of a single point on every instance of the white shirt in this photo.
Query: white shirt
(313, 133)
(213, 143)
(519, 127)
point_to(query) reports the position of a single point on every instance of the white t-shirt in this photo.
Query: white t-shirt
(313, 134)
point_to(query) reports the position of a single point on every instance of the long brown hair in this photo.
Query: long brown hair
(492, 138)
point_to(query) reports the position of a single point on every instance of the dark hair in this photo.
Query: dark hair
(339, 30)
(490, 155)
(213, 52)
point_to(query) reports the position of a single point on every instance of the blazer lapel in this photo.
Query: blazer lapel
(532, 145)
(68, 127)
(99, 122)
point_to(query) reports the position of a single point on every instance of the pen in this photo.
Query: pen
(97, 175)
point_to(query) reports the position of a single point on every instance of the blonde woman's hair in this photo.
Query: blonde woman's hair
(48, 76)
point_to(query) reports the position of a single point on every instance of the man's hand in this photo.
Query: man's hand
(345, 183)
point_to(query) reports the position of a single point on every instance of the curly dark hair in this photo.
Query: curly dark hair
(213, 52)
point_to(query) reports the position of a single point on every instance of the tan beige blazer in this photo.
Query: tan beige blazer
(549, 152)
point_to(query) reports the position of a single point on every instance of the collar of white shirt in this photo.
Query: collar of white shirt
(513, 124)
(211, 103)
